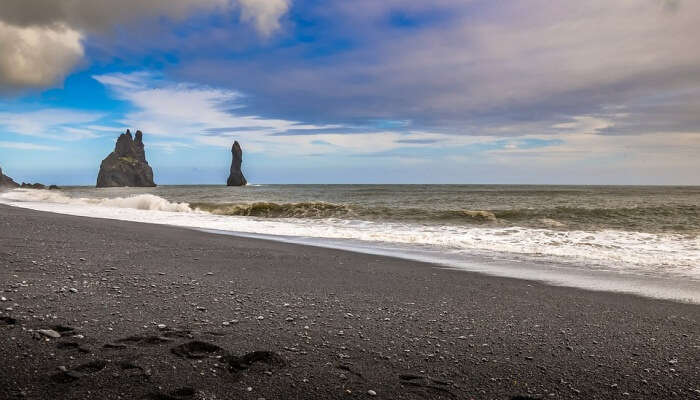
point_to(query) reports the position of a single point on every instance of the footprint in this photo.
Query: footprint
(80, 371)
(62, 329)
(426, 383)
(114, 346)
(177, 394)
(71, 346)
(137, 339)
(243, 363)
(196, 349)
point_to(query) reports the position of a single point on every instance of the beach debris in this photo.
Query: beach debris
(49, 333)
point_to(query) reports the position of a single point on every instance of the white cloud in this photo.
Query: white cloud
(41, 41)
(26, 146)
(264, 14)
(51, 123)
(36, 56)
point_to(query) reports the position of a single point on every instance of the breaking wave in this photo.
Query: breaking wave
(540, 235)
(137, 202)
(681, 219)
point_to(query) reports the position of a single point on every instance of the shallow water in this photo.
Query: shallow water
(603, 233)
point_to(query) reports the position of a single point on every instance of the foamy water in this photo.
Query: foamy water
(663, 265)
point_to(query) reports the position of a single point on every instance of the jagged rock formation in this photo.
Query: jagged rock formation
(6, 181)
(236, 177)
(126, 165)
(26, 185)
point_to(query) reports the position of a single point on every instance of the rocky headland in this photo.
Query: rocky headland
(236, 177)
(126, 165)
(6, 181)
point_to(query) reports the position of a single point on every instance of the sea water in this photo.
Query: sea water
(642, 240)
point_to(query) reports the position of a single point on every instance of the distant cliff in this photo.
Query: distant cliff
(126, 165)
(6, 181)
(236, 177)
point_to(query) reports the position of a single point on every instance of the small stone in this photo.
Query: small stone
(162, 326)
(62, 368)
(289, 319)
(3, 298)
(249, 389)
(673, 361)
(260, 318)
(49, 333)
(82, 259)
(371, 392)
(73, 290)
(225, 323)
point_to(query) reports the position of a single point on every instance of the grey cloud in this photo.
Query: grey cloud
(493, 61)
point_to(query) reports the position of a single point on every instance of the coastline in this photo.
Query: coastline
(339, 320)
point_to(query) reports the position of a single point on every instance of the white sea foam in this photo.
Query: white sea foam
(137, 202)
(630, 253)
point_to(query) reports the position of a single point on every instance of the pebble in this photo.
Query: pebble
(371, 392)
(73, 290)
(260, 318)
(225, 323)
(49, 333)
(161, 326)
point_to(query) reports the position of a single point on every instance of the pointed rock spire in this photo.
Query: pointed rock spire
(236, 177)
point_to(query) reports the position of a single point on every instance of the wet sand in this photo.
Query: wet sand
(149, 311)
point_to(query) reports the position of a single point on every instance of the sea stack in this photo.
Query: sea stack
(126, 165)
(6, 181)
(236, 177)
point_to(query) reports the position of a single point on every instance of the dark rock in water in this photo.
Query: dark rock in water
(126, 165)
(32, 186)
(236, 177)
(54, 187)
(6, 181)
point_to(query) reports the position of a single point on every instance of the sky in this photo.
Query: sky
(362, 91)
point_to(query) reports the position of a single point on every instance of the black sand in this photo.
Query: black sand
(251, 319)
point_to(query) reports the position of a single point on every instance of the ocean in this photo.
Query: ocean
(642, 240)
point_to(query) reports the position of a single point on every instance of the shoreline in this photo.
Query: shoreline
(338, 320)
(552, 269)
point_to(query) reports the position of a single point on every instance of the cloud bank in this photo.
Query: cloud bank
(42, 41)
(37, 56)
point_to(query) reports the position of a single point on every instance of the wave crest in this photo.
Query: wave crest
(138, 202)
(276, 210)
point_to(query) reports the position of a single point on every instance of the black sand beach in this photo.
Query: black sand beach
(148, 311)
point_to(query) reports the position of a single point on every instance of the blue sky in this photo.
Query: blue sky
(394, 91)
